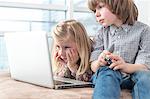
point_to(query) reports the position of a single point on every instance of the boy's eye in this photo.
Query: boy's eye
(101, 6)
(94, 11)
(98, 8)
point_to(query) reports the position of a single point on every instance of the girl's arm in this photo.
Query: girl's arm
(72, 59)
(85, 76)
(64, 72)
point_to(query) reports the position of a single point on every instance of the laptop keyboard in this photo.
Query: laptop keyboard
(56, 82)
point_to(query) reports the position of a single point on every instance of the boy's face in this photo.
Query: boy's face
(104, 16)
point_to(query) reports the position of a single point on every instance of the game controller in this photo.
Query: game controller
(107, 59)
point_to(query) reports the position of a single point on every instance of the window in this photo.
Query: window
(89, 21)
(40, 15)
(27, 15)
(143, 6)
(37, 1)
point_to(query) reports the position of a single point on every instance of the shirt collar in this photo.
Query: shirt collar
(124, 27)
(113, 29)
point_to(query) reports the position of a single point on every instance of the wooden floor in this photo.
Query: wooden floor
(11, 89)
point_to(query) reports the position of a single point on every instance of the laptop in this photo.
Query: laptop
(29, 58)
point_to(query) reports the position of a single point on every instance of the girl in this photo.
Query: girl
(130, 59)
(71, 50)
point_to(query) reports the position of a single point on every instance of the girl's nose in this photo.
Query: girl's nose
(61, 52)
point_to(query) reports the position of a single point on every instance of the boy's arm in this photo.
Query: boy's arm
(131, 68)
(100, 61)
(95, 65)
(118, 63)
(98, 47)
(143, 55)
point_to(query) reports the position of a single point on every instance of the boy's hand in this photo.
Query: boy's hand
(118, 63)
(100, 61)
(102, 56)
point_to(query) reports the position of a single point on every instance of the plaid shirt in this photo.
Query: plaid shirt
(132, 43)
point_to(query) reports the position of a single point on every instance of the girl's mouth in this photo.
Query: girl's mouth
(63, 60)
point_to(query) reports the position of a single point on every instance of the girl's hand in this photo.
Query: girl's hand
(58, 58)
(72, 57)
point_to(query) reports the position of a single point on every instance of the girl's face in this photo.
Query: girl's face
(105, 17)
(62, 47)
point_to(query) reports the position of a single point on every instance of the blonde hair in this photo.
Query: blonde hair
(125, 10)
(75, 31)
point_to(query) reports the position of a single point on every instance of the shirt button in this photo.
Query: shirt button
(126, 30)
(117, 52)
(113, 40)
(118, 37)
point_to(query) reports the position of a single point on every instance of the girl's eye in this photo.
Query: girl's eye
(67, 47)
(57, 47)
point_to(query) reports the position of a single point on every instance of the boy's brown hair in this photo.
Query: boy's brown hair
(125, 10)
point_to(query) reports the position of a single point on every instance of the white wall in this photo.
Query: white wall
(144, 10)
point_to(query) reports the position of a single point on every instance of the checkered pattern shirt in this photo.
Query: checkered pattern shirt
(132, 43)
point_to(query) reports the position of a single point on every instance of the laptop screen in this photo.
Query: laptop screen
(29, 57)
